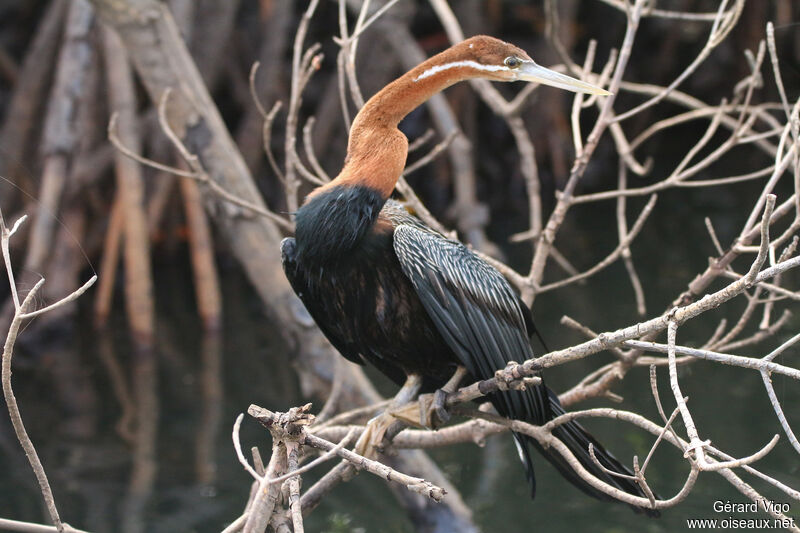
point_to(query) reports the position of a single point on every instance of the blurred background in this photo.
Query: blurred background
(132, 422)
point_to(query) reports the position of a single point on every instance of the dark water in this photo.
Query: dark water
(174, 468)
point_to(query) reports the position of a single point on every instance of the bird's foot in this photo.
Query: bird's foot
(371, 441)
(432, 412)
(426, 413)
(433, 409)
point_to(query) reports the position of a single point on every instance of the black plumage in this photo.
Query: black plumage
(335, 223)
(398, 295)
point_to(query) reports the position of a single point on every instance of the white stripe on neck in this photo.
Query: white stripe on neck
(465, 63)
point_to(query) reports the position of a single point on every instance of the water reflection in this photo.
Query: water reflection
(140, 441)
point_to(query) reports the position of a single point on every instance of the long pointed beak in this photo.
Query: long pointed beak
(530, 71)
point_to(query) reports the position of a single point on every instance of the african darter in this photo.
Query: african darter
(388, 290)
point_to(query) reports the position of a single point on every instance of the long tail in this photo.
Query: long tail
(546, 406)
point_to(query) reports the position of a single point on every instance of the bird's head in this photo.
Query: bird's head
(486, 57)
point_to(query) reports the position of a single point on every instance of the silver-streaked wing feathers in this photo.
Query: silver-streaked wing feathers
(474, 309)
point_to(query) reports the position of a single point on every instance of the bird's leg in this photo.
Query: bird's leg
(376, 428)
(433, 411)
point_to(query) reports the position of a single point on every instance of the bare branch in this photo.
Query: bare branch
(762, 250)
(328, 455)
(724, 22)
(29, 527)
(776, 406)
(237, 445)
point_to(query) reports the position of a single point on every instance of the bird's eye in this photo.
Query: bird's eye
(512, 62)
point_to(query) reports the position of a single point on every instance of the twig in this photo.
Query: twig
(420, 141)
(309, 149)
(622, 232)
(660, 406)
(268, 119)
(414, 484)
(696, 445)
(752, 303)
(112, 136)
(724, 22)
(237, 445)
(430, 156)
(783, 347)
(69, 298)
(5, 236)
(548, 235)
(197, 172)
(776, 71)
(292, 426)
(759, 335)
(660, 437)
(236, 525)
(359, 413)
(291, 182)
(292, 452)
(319, 460)
(13, 408)
(751, 493)
(611, 257)
(266, 135)
(624, 6)
(587, 332)
(378, 12)
(345, 61)
(772, 481)
(724, 358)
(714, 238)
(605, 340)
(762, 250)
(597, 462)
(543, 434)
(21, 314)
(519, 371)
(776, 406)
(29, 527)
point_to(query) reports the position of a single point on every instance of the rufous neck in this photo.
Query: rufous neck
(392, 103)
(377, 150)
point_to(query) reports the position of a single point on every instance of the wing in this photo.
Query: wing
(474, 309)
(482, 321)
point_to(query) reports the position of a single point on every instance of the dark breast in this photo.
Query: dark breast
(369, 310)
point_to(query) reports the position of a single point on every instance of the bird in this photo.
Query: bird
(390, 291)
